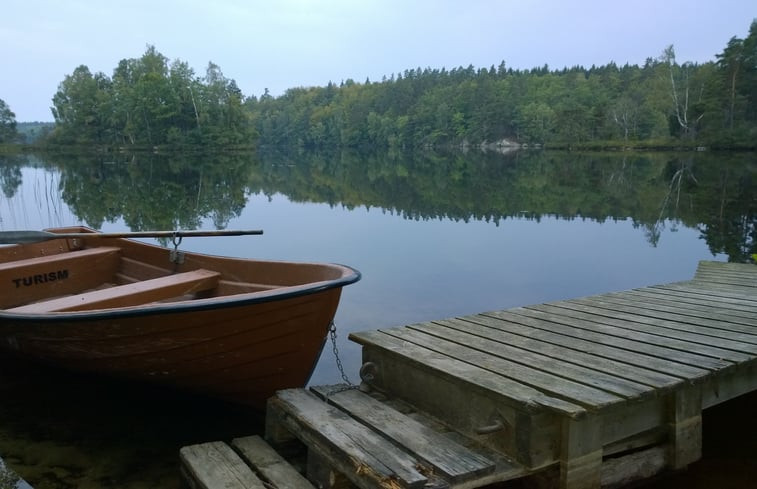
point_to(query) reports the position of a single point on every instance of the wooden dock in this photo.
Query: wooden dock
(576, 394)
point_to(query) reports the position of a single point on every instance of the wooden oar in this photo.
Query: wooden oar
(23, 237)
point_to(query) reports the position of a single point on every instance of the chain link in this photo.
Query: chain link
(332, 334)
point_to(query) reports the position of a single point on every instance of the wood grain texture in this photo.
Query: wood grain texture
(214, 465)
(448, 458)
(272, 466)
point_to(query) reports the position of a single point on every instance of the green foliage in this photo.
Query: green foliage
(30, 132)
(662, 103)
(152, 102)
(8, 132)
(149, 102)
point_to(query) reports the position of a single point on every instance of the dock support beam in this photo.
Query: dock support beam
(685, 427)
(581, 453)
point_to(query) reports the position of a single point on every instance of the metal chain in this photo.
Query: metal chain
(332, 334)
(176, 256)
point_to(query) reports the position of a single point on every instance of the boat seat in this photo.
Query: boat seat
(34, 279)
(133, 294)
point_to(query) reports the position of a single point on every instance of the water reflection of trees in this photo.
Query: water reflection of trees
(154, 191)
(714, 193)
(10, 173)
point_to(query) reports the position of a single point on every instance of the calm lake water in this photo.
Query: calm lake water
(435, 236)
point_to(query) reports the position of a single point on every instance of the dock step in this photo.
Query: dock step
(372, 444)
(254, 465)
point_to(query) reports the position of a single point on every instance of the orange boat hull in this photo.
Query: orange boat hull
(248, 329)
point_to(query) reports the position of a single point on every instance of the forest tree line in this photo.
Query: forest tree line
(151, 101)
(661, 103)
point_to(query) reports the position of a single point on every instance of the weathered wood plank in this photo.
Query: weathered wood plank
(213, 465)
(497, 368)
(324, 475)
(595, 344)
(727, 304)
(735, 298)
(742, 268)
(730, 346)
(728, 273)
(512, 392)
(622, 471)
(358, 452)
(498, 347)
(749, 278)
(581, 454)
(525, 432)
(272, 466)
(638, 331)
(726, 299)
(639, 377)
(730, 384)
(738, 281)
(455, 462)
(697, 329)
(693, 305)
(603, 335)
(719, 279)
(685, 427)
(707, 316)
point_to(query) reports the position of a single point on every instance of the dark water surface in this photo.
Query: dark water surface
(434, 236)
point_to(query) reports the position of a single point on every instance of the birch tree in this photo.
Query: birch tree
(681, 92)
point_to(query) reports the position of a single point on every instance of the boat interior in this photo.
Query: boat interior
(69, 275)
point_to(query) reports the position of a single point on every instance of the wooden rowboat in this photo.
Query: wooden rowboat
(235, 329)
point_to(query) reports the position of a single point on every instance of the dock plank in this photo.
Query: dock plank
(496, 368)
(272, 466)
(597, 333)
(722, 284)
(563, 336)
(539, 361)
(719, 278)
(726, 273)
(693, 305)
(455, 462)
(733, 298)
(560, 351)
(726, 267)
(637, 331)
(690, 328)
(691, 315)
(367, 453)
(725, 304)
(213, 465)
(514, 393)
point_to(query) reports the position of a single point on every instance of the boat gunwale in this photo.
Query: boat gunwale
(193, 305)
(348, 275)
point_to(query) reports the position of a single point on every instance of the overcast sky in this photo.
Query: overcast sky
(278, 44)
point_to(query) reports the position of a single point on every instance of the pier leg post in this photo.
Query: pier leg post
(320, 471)
(581, 454)
(685, 427)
